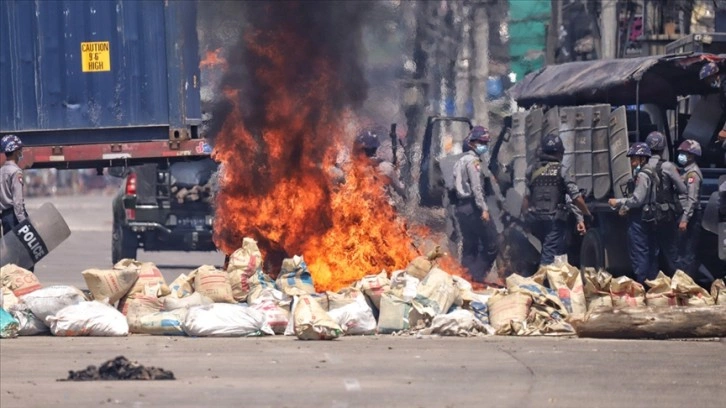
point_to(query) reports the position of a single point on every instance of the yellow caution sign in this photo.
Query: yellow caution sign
(95, 56)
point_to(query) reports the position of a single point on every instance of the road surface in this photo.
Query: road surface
(373, 371)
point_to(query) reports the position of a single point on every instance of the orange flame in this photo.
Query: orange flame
(276, 185)
(213, 58)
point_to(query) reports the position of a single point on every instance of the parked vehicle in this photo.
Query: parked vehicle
(160, 208)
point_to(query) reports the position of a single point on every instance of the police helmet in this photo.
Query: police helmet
(479, 134)
(708, 70)
(368, 140)
(656, 141)
(552, 144)
(639, 149)
(10, 143)
(690, 146)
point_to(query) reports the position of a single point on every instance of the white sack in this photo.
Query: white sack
(355, 318)
(49, 301)
(88, 319)
(225, 320)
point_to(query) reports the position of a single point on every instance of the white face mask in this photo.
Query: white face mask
(682, 159)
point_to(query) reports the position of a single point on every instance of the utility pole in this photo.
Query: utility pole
(463, 62)
(480, 33)
(608, 29)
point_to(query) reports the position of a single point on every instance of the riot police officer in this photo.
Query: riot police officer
(690, 222)
(12, 205)
(671, 186)
(546, 206)
(472, 213)
(639, 207)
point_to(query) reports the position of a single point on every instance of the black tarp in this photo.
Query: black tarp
(662, 79)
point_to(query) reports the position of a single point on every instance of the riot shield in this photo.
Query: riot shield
(620, 171)
(600, 152)
(533, 133)
(583, 148)
(568, 123)
(34, 238)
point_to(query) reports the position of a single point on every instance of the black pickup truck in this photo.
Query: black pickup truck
(164, 208)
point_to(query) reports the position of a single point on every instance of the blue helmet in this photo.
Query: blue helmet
(708, 70)
(639, 149)
(368, 140)
(656, 141)
(690, 146)
(479, 134)
(10, 143)
(552, 144)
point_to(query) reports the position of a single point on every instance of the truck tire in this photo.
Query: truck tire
(592, 250)
(124, 243)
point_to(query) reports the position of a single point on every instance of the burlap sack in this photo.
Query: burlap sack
(343, 297)
(394, 314)
(688, 292)
(312, 322)
(110, 284)
(150, 283)
(718, 291)
(259, 281)
(435, 294)
(465, 292)
(182, 286)
(195, 299)
(8, 299)
(626, 292)
(137, 307)
(20, 281)
(373, 286)
(660, 292)
(419, 267)
(243, 263)
(277, 317)
(295, 278)
(167, 323)
(567, 282)
(597, 288)
(403, 285)
(214, 284)
(507, 308)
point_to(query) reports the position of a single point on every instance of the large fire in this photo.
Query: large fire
(276, 185)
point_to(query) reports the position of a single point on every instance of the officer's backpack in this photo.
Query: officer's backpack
(664, 206)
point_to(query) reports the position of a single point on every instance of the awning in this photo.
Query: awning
(662, 79)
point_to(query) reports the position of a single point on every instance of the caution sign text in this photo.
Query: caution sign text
(95, 56)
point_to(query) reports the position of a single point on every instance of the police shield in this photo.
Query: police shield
(32, 239)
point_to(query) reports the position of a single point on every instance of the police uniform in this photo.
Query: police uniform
(692, 215)
(469, 206)
(667, 231)
(550, 186)
(12, 206)
(642, 241)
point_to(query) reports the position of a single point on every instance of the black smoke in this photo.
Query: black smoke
(307, 31)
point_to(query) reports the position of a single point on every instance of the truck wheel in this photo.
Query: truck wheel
(124, 244)
(592, 251)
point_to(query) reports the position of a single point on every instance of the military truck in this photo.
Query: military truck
(599, 108)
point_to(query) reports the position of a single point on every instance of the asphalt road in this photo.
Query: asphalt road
(375, 371)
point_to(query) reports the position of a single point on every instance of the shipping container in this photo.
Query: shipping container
(109, 75)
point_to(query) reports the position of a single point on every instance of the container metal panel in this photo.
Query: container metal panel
(53, 86)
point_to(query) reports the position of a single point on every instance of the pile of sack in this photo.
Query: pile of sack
(133, 297)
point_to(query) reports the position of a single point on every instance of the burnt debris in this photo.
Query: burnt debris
(120, 368)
